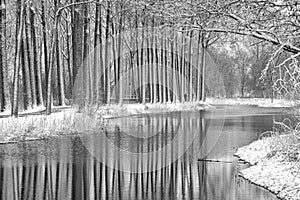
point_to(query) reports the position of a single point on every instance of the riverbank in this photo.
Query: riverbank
(260, 102)
(35, 125)
(113, 111)
(39, 126)
(275, 164)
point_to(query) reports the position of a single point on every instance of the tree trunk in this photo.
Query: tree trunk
(190, 67)
(107, 55)
(36, 74)
(143, 65)
(198, 69)
(2, 53)
(77, 39)
(49, 86)
(162, 67)
(20, 26)
(86, 64)
(45, 46)
(29, 60)
(96, 66)
(115, 56)
(24, 77)
(203, 63)
(182, 66)
(120, 67)
(100, 84)
(60, 78)
(154, 61)
(70, 75)
(139, 81)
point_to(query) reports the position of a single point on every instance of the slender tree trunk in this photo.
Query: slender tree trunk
(178, 70)
(120, 66)
(36, 74)
(115, 56)
(190, 67)
(174, 53)
(30, 63)
(154, 62)
(49, 86)
(139, 82)
(157, 74)
(198, 69)
(20, 26)
(203, 63)
(182, 82)
(45, 46)
(70, 75)
(24, 77)
(107, 56)
(101, 77)
(143, 65)
(2, 53)
(96, 67)
(162, 67)
(77, 39)
(59, 71)
(86, 64)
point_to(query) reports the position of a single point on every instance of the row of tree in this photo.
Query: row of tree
(55, 52)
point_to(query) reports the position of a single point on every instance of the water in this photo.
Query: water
(179, 160)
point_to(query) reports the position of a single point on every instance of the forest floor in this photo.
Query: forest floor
(260, 102)
(275, 164)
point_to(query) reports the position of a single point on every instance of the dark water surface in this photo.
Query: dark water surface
(161, 156)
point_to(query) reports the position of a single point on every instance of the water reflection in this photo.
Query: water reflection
(64, 169)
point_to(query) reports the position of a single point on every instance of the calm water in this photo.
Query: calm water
(161, 156)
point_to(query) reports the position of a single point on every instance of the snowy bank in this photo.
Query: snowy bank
(275, 164)
(112, 111)
(70, 121)
(260, 102)
(35, 127)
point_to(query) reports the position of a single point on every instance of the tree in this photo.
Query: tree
(2, 53)
(19, 28)
(45, 43)
(36, 69)
(107, 55)
(59, 66)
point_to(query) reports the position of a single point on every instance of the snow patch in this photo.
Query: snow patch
(271, 168)
(111, 111)
(260, 102)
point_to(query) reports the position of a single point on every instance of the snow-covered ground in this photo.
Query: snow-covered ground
(111, 111)
(253, 101)
(33, 110)
(34, 127)
(275, 165)
(69, 121)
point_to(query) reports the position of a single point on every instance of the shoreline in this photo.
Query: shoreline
(33, 126)
(271, 168)
(259, 102)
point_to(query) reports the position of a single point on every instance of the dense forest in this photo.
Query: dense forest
(102, 52)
